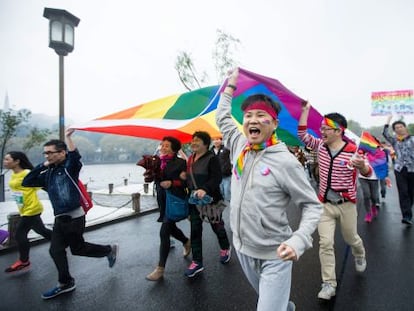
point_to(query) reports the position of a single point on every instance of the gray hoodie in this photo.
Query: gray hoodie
(273, 180)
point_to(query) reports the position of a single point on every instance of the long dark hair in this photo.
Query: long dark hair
(22, 157)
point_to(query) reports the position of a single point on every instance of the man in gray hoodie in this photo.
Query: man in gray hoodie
(267, 180)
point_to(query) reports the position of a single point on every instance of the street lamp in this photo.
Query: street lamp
(62, 39)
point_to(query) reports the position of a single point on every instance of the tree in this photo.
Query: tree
(223, 54)
(223, 58)
(9, 121)
(86, 147)
(355, 127)
(35, 138)
(115, 148)
(410, 128)
(187, 72)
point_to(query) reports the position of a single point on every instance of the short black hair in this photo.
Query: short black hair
(175, 143)
(338, 118)
(204, 136)
(398, 122)
(261, 97)
(60, 145)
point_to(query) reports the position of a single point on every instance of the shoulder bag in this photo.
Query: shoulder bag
(85, 199)
(176, 208)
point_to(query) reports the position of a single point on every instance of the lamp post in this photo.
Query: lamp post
(62, 39)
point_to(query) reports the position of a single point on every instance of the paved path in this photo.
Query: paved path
(386, 284)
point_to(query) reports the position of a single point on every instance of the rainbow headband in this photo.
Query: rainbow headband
(261, 105)
(332, 124)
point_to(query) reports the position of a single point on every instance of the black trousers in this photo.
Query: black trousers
(197, 234)
(26, 224)
(169, 229)
(68, 231)
(405, 185)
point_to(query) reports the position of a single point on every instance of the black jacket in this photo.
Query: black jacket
(224, 158)
(207, 174)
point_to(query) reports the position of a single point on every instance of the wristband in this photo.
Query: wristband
(232, 86)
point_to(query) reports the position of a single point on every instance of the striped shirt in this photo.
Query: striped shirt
(334, 171)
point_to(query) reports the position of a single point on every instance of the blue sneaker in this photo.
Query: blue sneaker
(193, 269)
(407, 221)
(59, 290)
(112, 255)
(225, 255)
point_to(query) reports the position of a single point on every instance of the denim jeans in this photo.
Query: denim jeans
(225, 188)
(271, 279)
(68, 231)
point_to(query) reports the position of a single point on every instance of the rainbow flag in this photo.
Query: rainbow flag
(388, 102)
(368, 143)
(181, 115)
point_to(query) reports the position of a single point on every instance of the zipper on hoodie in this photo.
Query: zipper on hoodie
(249, 182)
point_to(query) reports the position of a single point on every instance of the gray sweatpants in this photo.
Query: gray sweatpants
(271, 280)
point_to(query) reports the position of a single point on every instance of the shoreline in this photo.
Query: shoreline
(107, 209)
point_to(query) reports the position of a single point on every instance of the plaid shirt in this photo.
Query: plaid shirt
(404, 150)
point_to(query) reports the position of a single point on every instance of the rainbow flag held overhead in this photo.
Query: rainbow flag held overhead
(181, 115)
(368, 143)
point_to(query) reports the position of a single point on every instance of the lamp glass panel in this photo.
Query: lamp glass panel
(69, 35)
(56, 31)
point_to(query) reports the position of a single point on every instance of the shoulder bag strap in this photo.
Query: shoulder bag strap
(191, 160)
(76, 185)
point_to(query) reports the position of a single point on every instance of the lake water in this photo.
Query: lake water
(98, 176)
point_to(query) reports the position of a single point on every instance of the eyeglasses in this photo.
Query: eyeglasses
(324, 129)
(51, 152)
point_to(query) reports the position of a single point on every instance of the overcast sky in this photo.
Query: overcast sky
(333, 53)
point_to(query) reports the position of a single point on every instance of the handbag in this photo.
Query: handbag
(211, 213)
(176, 208)
(85, 199)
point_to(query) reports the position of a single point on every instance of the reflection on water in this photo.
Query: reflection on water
(98, 177)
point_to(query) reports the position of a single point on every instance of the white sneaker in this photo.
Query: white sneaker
(360, 264)
(327, 291)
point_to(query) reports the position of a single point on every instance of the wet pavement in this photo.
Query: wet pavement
(385, 285)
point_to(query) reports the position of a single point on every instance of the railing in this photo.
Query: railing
(114, 198)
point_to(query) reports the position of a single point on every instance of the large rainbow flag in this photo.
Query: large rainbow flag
(182, 114)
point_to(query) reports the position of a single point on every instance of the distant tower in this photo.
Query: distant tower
(6, 102)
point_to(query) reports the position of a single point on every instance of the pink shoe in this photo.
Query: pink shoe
(374, 211)
(368, 217)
